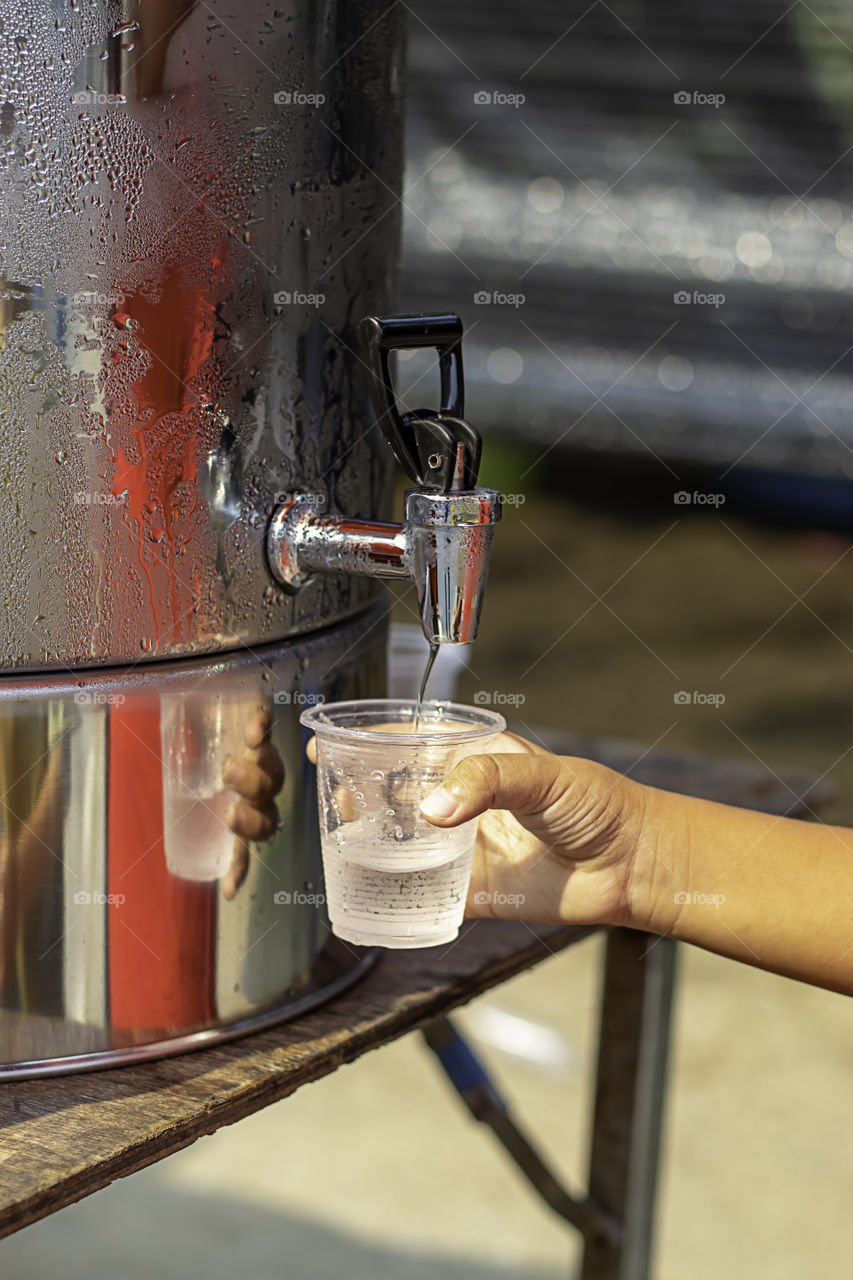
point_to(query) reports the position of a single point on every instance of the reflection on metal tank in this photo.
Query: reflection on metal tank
(197, 205)
(123, 936)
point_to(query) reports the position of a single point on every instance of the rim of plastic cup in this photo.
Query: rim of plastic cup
(490, 722)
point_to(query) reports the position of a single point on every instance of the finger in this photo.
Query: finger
(269, 760)
(251, 781)
(258, 726)
(345, 805)
(522, 783)
(510, 743)
(255, 771)
(342, 799)
(250, 822)
(236, 873)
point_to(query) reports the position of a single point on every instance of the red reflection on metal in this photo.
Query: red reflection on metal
(157, 476)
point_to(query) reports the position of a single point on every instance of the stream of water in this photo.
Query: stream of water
(433, 653)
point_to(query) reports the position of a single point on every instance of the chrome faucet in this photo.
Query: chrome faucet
(445, 543)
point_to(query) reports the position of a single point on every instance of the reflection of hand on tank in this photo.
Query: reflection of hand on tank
(257, 776)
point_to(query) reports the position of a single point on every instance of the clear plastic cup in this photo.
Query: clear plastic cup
(392, 878)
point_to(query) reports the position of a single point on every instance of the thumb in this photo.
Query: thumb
(524, 784)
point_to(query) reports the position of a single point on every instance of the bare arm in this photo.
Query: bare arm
(563, 839)
(773, 892)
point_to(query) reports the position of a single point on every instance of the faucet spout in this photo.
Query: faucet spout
(304, 540)
(445, 544)
(449, 541)
(444, 547)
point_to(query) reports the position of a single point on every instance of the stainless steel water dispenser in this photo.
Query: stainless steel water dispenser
(198, 203)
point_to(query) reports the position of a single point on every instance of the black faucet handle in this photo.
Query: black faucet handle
(438, 450)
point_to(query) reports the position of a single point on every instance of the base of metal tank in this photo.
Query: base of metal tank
(132, 926)
(195, 1040)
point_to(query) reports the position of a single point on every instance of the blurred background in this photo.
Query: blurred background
(643, 214)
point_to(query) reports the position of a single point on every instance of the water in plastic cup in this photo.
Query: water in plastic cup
(392, 878)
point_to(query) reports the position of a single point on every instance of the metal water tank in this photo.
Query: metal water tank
(196, 209)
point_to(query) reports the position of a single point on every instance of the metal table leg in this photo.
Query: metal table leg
(636, 1004)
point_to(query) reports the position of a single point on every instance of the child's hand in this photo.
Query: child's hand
(568, 841)
(560, 839)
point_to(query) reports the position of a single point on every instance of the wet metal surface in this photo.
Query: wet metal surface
(197, 206)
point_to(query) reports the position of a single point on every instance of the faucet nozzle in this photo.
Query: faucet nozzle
(449, 545)
(445, 544)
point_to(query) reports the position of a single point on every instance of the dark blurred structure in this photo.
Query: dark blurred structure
(672, 198)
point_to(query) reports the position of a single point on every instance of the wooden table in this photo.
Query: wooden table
(61, 1139)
